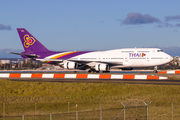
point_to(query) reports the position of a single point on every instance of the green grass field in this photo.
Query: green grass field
(43, 98)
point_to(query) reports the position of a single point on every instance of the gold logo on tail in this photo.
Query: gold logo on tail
(28, 41)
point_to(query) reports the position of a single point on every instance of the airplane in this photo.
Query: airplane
(94, 61)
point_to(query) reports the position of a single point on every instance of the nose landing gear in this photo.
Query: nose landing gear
(155, 69)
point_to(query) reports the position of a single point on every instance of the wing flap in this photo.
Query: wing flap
(50, 60)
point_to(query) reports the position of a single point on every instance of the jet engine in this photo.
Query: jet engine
(102, 67)
(70, 65)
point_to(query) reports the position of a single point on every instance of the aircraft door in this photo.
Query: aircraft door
(148, 58)
(126, 58)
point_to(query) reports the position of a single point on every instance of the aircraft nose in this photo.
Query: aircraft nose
(171, 58)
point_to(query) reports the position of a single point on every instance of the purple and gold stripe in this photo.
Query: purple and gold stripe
(68, 55)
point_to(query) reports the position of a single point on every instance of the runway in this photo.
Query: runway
(69, 71)
(124, 81)
(143, 77)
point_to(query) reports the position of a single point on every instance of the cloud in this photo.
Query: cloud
(138, 18)
(4, 27)
(177, 25)
(172, 18)
(165, 25)
(175, 30)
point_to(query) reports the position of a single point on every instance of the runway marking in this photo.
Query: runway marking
(15, 75)
(70, 76)
(82, 76)
(102, 76)
(6, 75)
(48, 76)
(128, 76)
(26, 75)
(116, 76)
(95, 76)
(161, 78)
(153, 77)
(59, 75)
(140, 77)
(170, 72)
(36, 75)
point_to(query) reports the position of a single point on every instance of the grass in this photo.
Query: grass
(51, 89)
(51, 97)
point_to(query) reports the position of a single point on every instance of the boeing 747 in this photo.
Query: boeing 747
(93, 60)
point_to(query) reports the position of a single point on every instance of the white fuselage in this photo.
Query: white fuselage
(132, 57)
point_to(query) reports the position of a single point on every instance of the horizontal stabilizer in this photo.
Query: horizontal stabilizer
(29, 56)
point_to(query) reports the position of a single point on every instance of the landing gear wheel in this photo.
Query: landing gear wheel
(93, 71)
(155, 71)
(106, 71)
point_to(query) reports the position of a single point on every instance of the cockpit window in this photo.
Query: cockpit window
(159, 50)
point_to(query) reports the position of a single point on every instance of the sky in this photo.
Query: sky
(91, 24)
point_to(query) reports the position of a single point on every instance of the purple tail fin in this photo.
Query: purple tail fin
(30, 43)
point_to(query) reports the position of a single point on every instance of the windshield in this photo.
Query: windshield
(159, 50)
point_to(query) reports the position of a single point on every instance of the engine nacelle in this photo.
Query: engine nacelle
(102, 67)
(70, 65)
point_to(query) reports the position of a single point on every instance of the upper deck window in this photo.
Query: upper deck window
(143, 51)
(159, 50)
(127, 51)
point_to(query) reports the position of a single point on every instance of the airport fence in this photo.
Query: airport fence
(86, 108)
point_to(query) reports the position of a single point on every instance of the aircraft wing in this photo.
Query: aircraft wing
(50, 60)
(89, 63)
(61, 60)
(95, 62)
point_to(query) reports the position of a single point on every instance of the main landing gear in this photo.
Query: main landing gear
(155, 69)
(92, 71)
